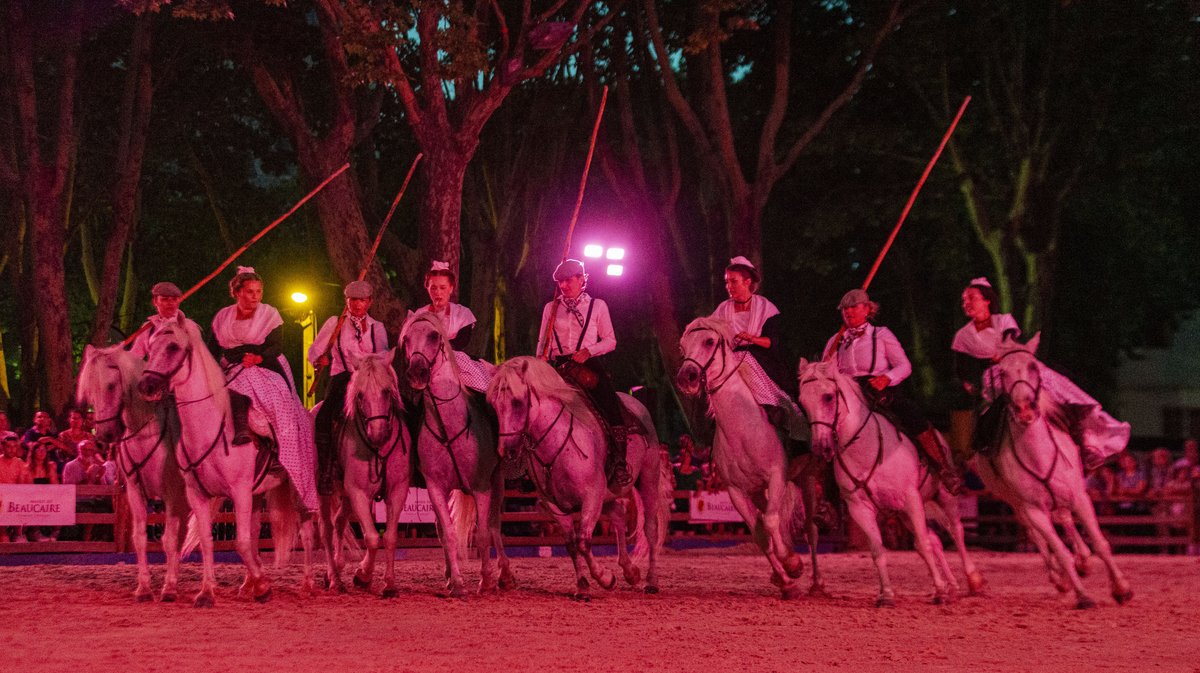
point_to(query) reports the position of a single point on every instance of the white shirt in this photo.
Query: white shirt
(350, 345)
(983, 343)
(598, 338)
(750, 321)
(141, 345)
(455, 317)
(854, 355)
(231, 332)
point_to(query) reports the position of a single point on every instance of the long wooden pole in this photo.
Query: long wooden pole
(337, 330)
(587, 166)
(912, 198)
(128, 340)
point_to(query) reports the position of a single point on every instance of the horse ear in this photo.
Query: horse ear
(391, 356)
(1032, 344)
(355, 360)
(87, 351)
(800, 367)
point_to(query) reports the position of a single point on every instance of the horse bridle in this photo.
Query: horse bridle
(530, 446)
(840, 447)
(1008, 392)
(721, 347)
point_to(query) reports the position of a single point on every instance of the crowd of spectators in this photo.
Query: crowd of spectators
(1127, 486)
(41, 454)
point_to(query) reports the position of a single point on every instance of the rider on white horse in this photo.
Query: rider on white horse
(975, 347)
(759, 337)
(247, 338)
(874, 357)
(460, 325)
(165, 296)
(582, 334)
(360, 334)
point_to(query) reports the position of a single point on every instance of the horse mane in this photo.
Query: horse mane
(209, 367)
(447, 350)
(130, 368)
(721, 327)
(374, 373)
(543, 381)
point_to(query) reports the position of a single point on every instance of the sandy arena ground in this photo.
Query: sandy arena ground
(717, 613)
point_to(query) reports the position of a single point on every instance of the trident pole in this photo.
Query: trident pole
(574, 218)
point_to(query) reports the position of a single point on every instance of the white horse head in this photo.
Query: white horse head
(521, 388)
(426, 348)
(1018, 377)
(372, 395)
(106, 384)
(706, 344)
(825, 394)
(176, 353)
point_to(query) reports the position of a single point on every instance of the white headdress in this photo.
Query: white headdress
(739, 260)
(439, 266)
(981, 281)
(245, 269)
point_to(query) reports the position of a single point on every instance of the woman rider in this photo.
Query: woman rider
(246, 339)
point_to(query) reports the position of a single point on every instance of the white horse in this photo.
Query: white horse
(457, 450)
(144, 437)
(550, 423)
(878, 468)
(214, 467)
(1037, 468)
(375, 451)
(748, 452)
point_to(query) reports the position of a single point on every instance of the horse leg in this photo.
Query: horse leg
(650, 487)
(391, 534)
(1074, 540)
(949, 505)
(571, 531)
(507, 581)
(201, 505)
(438, 498)
(306, 541)
(1086, 512)
(257, 586)
(174, 511)
(589, 515)
(331, 541)
(483, 541)
(914, 506)
(864, 514)
(143, 593)
(360, 502)
(939, 554)
(1039, 520)
(756, 520)
(811, 505)
(617, 512)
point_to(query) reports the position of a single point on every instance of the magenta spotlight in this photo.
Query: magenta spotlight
(593, 250)
(615, 254)
(615, 269)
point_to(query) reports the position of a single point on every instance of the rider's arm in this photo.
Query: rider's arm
(541, 342)
(899, 368)
(606, 339)
(321, 342)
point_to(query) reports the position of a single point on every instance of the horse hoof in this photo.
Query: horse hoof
(1081, 567)
(777, 580)
(885, 602)
(608, 581)
(793, 565)
(1123, 596)
(583, 597)
(976, 584)
(168, 597)
(508, 582)
(651, 589)
(264, 597)
(818, 591)
(944, 598)
(143, 598)
(1085, 603)
(360, 582)
(458, 592)
(792, 592)
(204, 601)
(633, 575)
(339, 587)
(389, 592)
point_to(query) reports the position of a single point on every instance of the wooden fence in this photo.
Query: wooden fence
(1167, 524)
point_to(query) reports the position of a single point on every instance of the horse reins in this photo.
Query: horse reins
(721, 347)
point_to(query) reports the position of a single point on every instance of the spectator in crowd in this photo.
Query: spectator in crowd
(42, 470)
(688, 477)
(109, 455)
(71, 437)
(1131, 484)
(42, 430)
(1101, 485)
(1159, 473)
(87, 467)
(1179, 485)
(1190, 459)
(13, 470)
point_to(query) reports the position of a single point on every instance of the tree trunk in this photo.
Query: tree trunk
(441, 205)
(131, 147)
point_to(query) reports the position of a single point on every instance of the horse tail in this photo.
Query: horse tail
(285, 521)
(462, 517)
(191, 540)
(641, 545)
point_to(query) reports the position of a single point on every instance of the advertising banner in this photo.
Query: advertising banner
(37, 505)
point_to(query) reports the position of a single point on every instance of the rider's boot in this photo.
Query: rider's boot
(619, 469)
(323, 439)
(932, 446)
(239, 406)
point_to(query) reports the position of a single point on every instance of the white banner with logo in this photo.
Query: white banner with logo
(417, 509)
(711, 507)
(37, 505)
